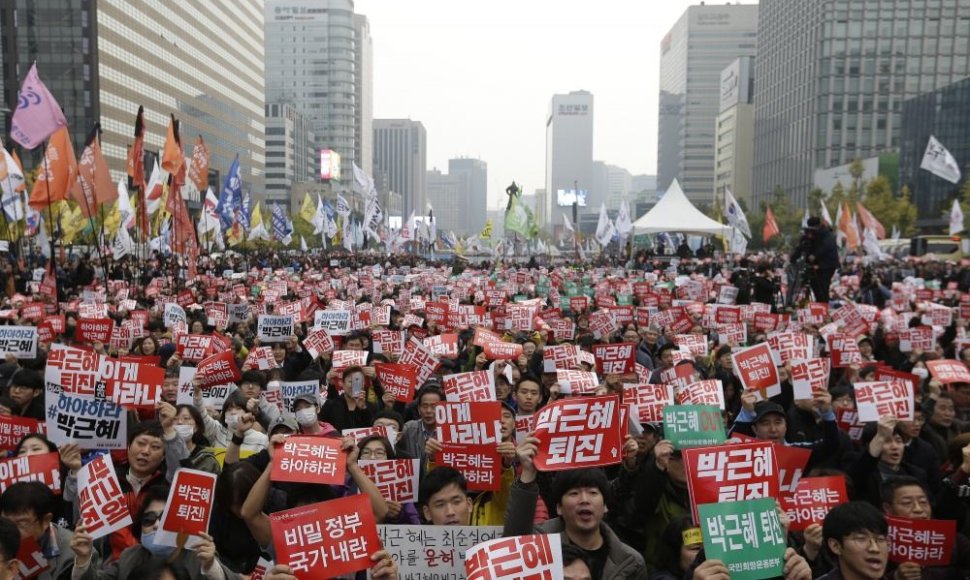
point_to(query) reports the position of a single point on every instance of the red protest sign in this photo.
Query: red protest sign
(730, 473)
(648, 400)
(923, 542)
(848, 421)
(578, 304)
(480, 464)
(400, 379)
(892, 375)
(810, 377)
(812, 499)
(583, 432)
(91, 330)
(791, 465)
(306, 459)
(388, 342)
(706, 392)
(502, 350)
(189, 504)
(194, 347)
(261, 357)
(470, 386)
(876, 399)
(218, 369)
(615, 358)
(844, 350)
(31, 559)
(132, 385)
(756, 369)
(102, 504)
(44, 467)
(318, 342)
(13, 429)
(537, 556)
(443, 345)
(573, 382)
(397, 479)
(326, 539)
(949, 371)
(477, 423)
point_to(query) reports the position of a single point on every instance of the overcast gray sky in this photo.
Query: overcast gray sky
(480, 75)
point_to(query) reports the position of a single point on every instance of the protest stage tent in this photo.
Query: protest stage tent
(675, 213)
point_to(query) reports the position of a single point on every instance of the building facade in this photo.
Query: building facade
(944, 114)
(318, 59)
(401, 155)
(705, 40)
(734, 131)
(473, 201)
(102, 59)
(569, 157)
(290, 153)
(444, 195)
(833, 76)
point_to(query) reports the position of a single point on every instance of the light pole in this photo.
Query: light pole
(576, 216)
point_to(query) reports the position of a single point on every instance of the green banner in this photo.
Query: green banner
(624, 299)
(746, 535)
(516, 218)
(693, 426)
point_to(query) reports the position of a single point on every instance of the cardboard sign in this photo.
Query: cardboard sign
(648, 401)
(470, 386)
(746, 535)
(401, 379)
(923, 542)
(536, 556)
(305, 459)
(693, 426)
(131, 385)
(93, 330)
(730, 474)
(478, 423)
(218, 369)
(102, 504)
(416, 354)
(388, 342)
(573, 382)
(812, 499)
(20, 341)
(810, 377)
(13, 429)
(916, 339)
(326, 539)
(397, 479)
(44, 467)
(261, 357)
(949, 371)
(433, 551)
(274, 328)
(844, 350)
(876, 399)
(584, 432)
(756, 368)
(481, 465)
(194, 347)
(616, 358)
(443, 345)
(706, 392)
(188, 508)
(502, 350)
(335, 322)
(318, 342)
(89, 423)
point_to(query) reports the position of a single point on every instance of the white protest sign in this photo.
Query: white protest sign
(274, 328)
(20, 341)
(102, 504)
(335, 322)
(423, 552)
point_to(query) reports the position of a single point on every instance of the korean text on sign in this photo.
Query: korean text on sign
(734, 473)
(537, 556)
(481, 465)
(102, 504)
(812, 499)
(309, 460)
(746, 535)
(576, 433)
(397, 479)
(473, 423)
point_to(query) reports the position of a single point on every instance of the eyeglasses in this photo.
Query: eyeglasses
(150, 518)
(866, 540)
(373, 454)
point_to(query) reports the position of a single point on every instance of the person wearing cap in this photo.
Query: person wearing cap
(306, 409)
(27, 391)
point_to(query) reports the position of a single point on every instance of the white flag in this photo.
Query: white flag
(11, 181)
(569, 225)
(805, 219)
(825, 214)
(122, 244)
(604, 228)
(303, 246)
(343, 208)
(124, 206)
(895, 232)
(739, 243)
(623, 224)
(956, 218)
(938, 161)
(734, 213)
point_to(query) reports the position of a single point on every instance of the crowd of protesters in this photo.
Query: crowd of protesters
(624, 521)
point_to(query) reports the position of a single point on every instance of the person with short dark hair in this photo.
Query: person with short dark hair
(856, 534)
(665, 360)
(575, 564)
(881, 457)
(9, 548)
(528, 395)
(30, 506)
(27, 391)
(350, 411)
(418, 432)
(443, 497)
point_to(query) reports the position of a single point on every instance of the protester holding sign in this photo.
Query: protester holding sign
(882, 452)
(31, 506)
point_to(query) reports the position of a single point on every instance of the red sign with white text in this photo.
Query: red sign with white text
(44, 467)
(579, 432)
(755, 367)
(616, 358)
(189, 504)
(307, 459)
(400, 379)
(477, 423)
(923, 542)
(812, 499)
(730, 473)
(949, 371)
(218, 369)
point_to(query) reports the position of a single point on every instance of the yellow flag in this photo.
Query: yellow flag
(112, 221)
(256, 219)
(487, 230)
(307, 210)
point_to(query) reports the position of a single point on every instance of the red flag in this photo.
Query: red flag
(93, 185)
(173, 159)
(38, 116)
(58, 172)
(870, 222)
(771, 226)
(136, 155)
(199, 171)
(848, 227)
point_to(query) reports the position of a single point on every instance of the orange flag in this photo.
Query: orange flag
(771, 226)
(870, 222)
(136, 155)
(58, 171)
(93, 186)
(173, 160)
(199, 171)
(848, 227)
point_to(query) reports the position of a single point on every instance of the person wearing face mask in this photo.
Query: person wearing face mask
(306, 409)
(199, 563)
(237, 426)
(190, 426)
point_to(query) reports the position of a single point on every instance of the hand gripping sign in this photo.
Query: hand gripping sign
(579, 432)
(189, 507)
(732, 473)
(102, 504)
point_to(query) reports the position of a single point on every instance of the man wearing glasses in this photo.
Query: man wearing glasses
(856, 534)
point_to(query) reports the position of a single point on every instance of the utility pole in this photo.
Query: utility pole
(576, 217)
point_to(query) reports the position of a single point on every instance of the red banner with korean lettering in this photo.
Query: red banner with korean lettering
(189, 505)
(502, 350)
(812, 499)
(308, 459)
(132, 385)
(399, 379)
(616, 358)
(44, 467)
(730, 473)
(923, 542)
(326, 539)
(480, 464)
(756, 368)
(194, 347)
(473, 423)
(13, 429)
(218, 369)
(579, 432)
(949, 371)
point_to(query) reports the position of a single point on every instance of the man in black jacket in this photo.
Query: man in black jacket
(819, 248)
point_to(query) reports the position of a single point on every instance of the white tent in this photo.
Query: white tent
(675, 213)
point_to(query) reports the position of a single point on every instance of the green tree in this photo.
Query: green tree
(856, 189)
(965, 203)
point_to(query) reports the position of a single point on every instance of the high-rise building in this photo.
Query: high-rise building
(290, 152)
(364, 121)
(945, 115)
(832, 77)
(473, 203)
(318, 58)
(102, 59)
(734, 130)
(444, 195)
(401, 154)
(704, 40)
(569, 158)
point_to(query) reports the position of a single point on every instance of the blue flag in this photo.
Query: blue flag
(279, 222)
(242, 211)
(231, 191)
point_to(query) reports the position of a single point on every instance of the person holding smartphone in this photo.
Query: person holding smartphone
(350, 410)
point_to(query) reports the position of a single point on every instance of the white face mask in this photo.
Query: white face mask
(185, 431)
(232, 421)
(921, 372)
(306, 416)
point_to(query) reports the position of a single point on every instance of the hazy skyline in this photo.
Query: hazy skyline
(480, 76)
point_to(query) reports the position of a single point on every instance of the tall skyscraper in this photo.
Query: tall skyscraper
(832, 77)
(445, 191)
(734, 130)
(473, 203)
(692, 55)
(318, 57)
(401, 154)
(569, 158)
(102, 59)
(290, 151)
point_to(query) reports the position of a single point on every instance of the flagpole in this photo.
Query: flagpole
(50, 216)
